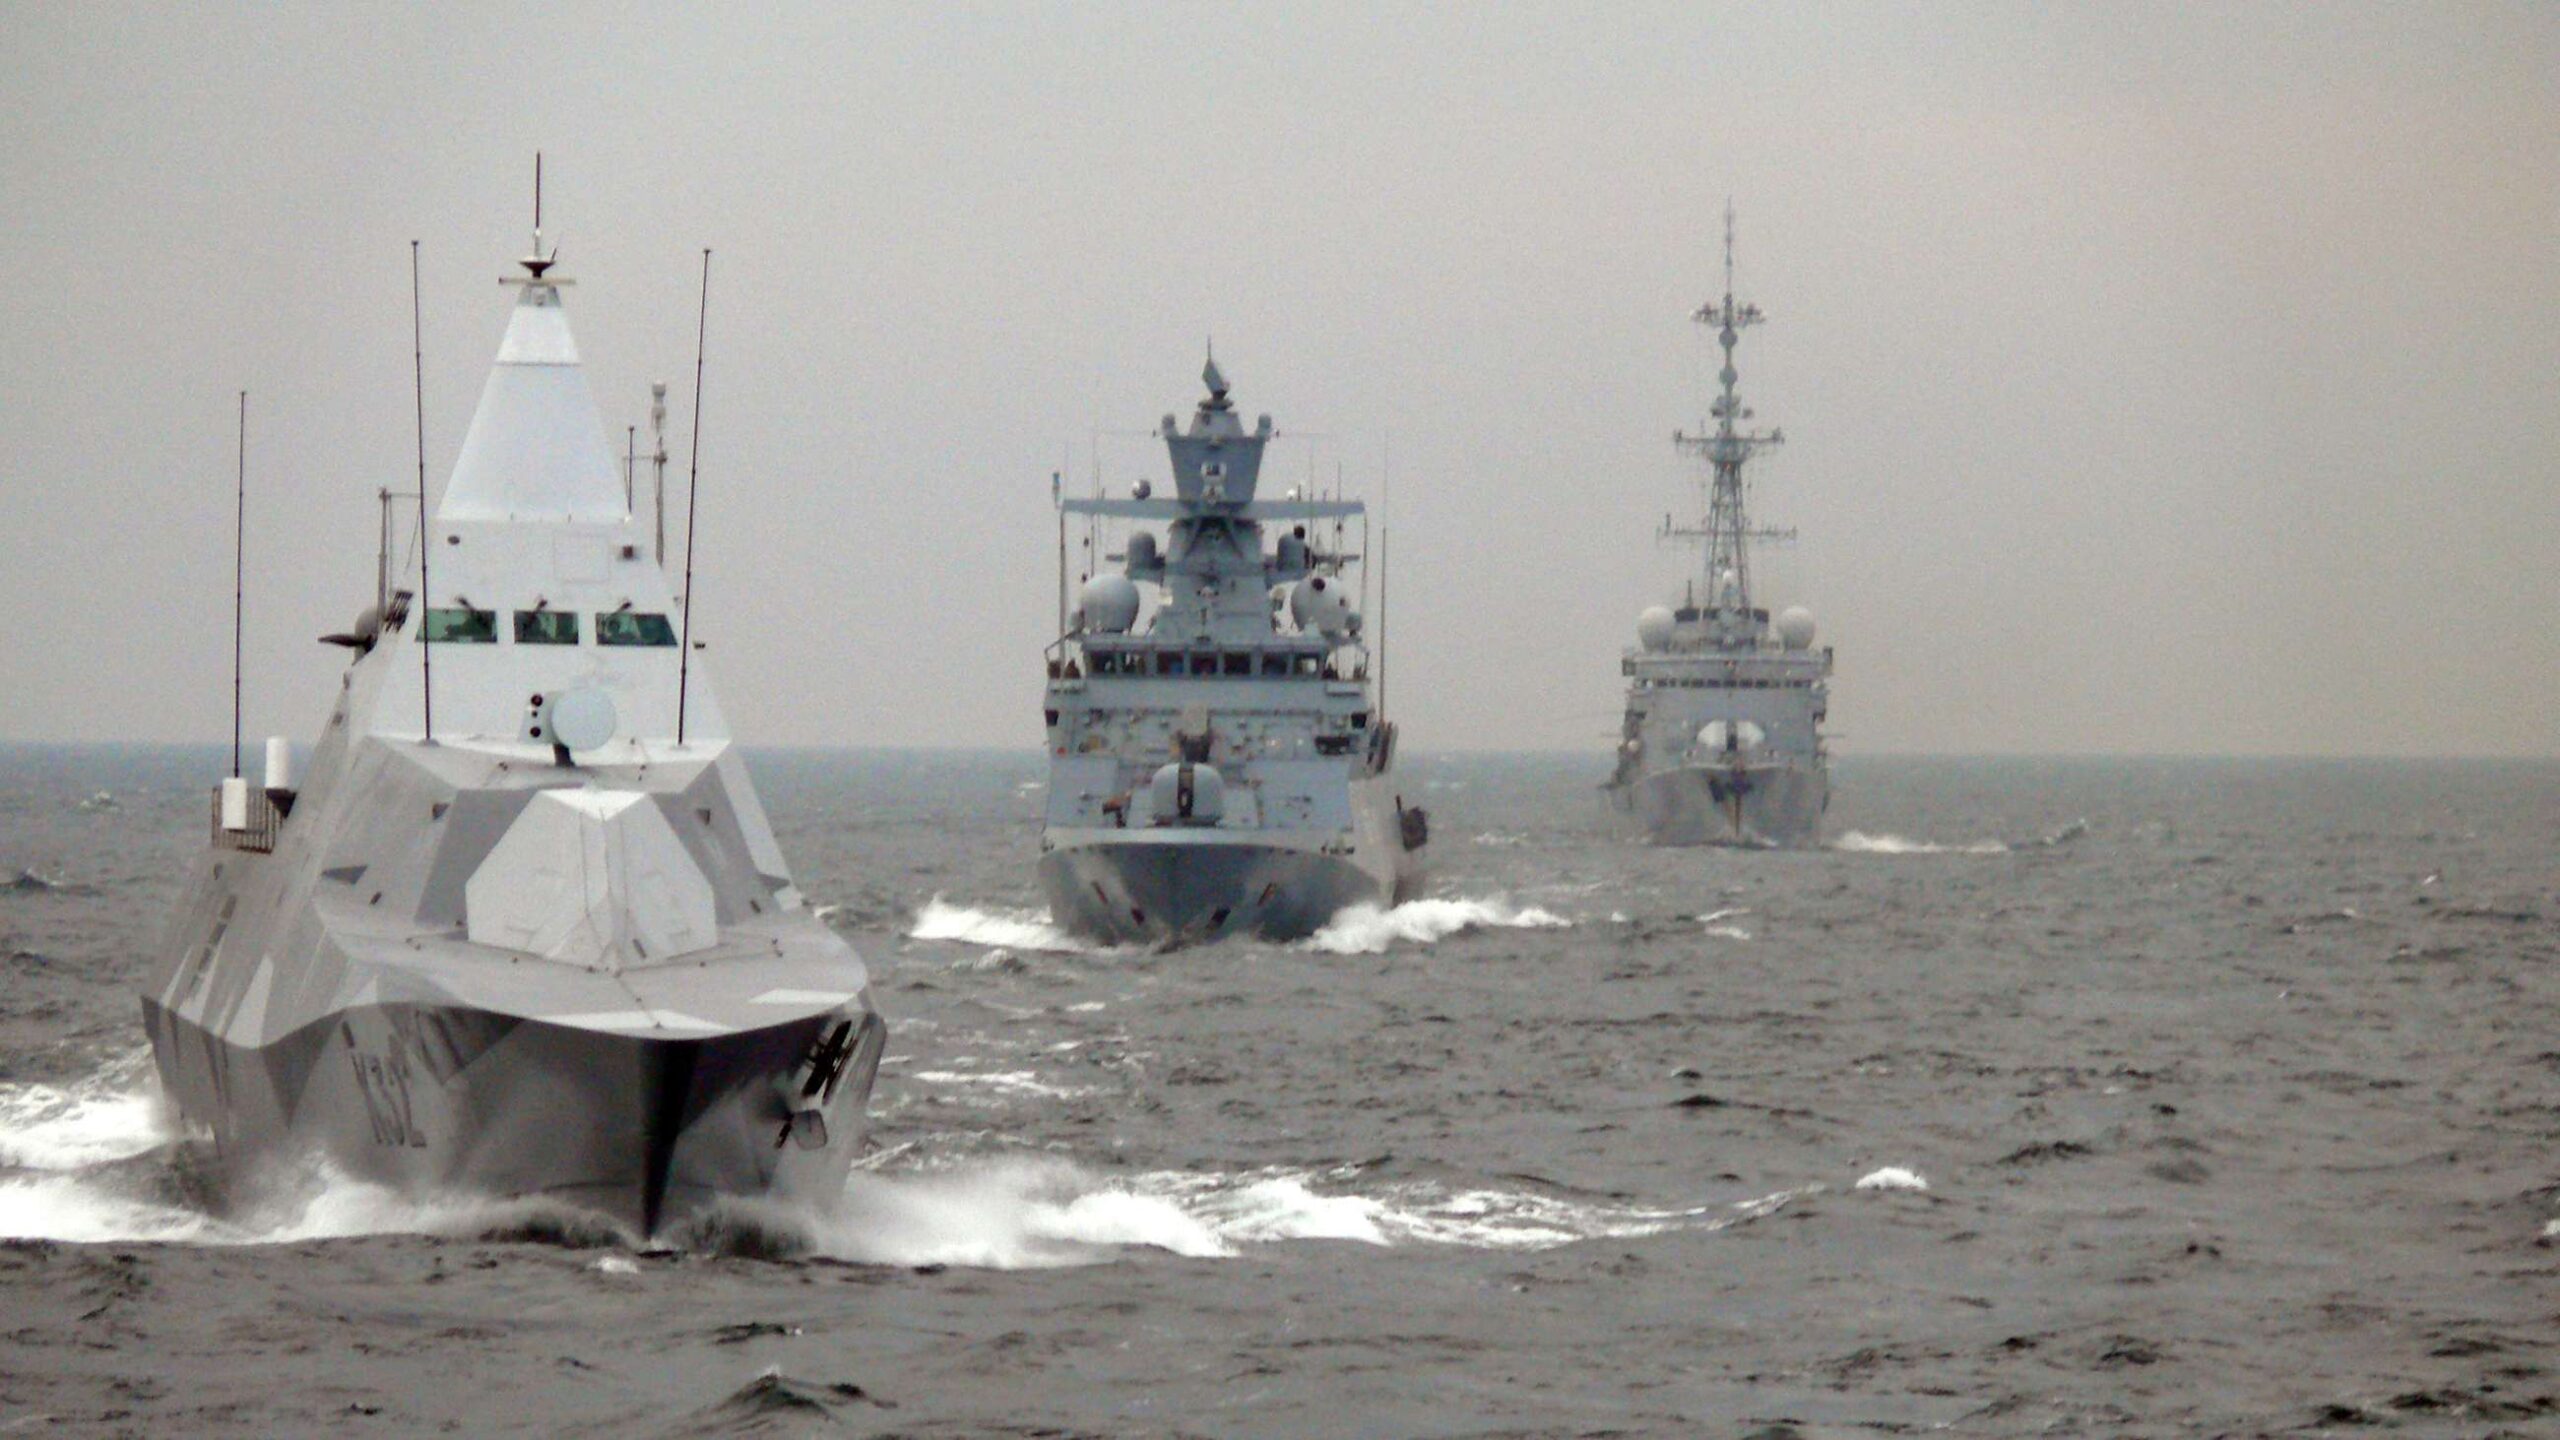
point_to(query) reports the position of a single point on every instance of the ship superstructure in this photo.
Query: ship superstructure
(1218, 761)
(523, 929)
(1722, 740)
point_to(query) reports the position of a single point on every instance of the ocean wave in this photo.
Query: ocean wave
(1370, 929)
(993, 926)
(100, 1162)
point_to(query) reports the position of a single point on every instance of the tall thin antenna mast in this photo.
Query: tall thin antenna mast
(426, 614)
(630, 470)
(239, 572)
(692, 495)
(658, 466)
(1728, 530)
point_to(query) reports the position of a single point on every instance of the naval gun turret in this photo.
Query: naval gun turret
(523, 928)
(1219, 762)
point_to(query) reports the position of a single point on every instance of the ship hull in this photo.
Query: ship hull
(1760, 807)
(648, 1131)
(1163, 891)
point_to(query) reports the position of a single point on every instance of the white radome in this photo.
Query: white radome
(1319, 604)
(1655, 626)
(1110, 604)
(1795, 627)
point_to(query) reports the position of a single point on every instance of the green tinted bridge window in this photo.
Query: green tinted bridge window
(546, 627)
(452, 625)
(634, 627)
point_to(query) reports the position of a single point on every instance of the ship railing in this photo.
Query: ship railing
(257, 821)
(1077, 657)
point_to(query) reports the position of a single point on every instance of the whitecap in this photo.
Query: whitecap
(1892, 1177)
(1368, 929)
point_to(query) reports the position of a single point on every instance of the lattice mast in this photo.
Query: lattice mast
(1728, 527)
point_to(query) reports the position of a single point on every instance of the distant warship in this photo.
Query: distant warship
(523, 930)
(1722, 742)
(1217, 762)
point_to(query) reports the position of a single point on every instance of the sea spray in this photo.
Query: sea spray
(1370, 929)
(993, 926)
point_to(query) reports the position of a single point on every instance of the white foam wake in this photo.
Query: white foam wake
(993, 926)
(1857, 842)
(1370, 929)
(1031, 1212)
(112, 1115)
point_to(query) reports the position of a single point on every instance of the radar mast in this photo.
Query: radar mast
(1728, 528)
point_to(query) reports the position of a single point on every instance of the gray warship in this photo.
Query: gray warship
(1722, 740)
(1217, 762)
(522, 930)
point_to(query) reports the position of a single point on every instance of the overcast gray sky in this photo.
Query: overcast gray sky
(2156, 378)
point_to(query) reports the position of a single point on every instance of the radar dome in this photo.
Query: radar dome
(1795, 627)
(1655, 626)
(1110, 604)
(1142, 552)
(1318, 604)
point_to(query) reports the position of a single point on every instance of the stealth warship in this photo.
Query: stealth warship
(1218, 763)
(523, 928)
(1722, 741)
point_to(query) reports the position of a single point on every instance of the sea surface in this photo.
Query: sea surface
(2054, 1097)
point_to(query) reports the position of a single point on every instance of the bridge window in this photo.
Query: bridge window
(1168, 663)
(546, 627)
(454, 625)
(1240, 662)
(634, 627)
(1275, 664)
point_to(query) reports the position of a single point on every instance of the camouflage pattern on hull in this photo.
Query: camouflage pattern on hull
(649, 1133)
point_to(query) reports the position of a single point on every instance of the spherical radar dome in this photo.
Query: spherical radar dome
(1319, 604)
(1654, 627)
(1110, 604)
(1795, 627)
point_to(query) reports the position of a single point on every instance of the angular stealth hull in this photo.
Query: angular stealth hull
(649, 1133)
(525, 930)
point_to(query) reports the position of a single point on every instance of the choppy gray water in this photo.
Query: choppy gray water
(2056, 1098)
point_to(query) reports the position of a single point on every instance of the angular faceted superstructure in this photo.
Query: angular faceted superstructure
(524, 929)
(1218, 762)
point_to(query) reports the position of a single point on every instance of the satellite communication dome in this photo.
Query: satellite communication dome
(1110, 604)
(1654, 627)
(1318, 604)
(1795, 627)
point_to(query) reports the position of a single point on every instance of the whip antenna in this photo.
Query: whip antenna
(692, 495)
(239, 571)
(426, 612)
